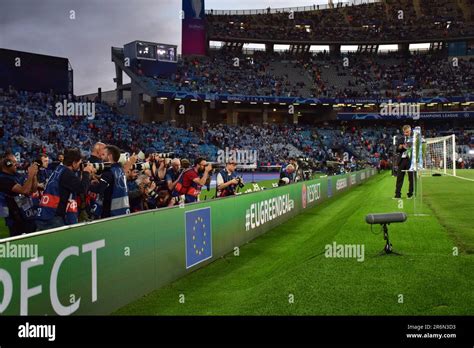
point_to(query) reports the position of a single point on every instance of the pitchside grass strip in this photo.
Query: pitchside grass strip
(290, 260)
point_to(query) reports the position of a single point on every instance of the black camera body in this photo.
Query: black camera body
(306, 167)
(240, 182)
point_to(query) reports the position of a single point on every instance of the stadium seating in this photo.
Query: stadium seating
(380, 21)
(322, 75)
(29, 126)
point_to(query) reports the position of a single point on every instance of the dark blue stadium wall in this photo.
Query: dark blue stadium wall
(36, 73)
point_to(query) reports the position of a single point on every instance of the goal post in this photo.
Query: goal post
(440, 155)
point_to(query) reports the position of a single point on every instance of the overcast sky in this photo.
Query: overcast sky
(44, 26)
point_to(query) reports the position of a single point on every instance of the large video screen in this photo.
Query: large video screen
(33, 72)
(166, 53)
(146, 51)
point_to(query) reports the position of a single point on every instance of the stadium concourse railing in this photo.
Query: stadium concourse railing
(97, 267)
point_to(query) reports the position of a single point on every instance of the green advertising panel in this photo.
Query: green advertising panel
(98, 267)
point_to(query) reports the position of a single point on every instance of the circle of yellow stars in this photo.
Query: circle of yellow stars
(199, 251)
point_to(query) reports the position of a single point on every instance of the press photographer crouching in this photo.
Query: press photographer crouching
(227, 180)
(153, 197)
(192, 180)
(287, 175)
(112, 187)
(58, 205)
(16, 205)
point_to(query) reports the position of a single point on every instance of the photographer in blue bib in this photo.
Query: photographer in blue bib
(16, 204)
(403, 148)
(112, 187)
(58, 205)
(228, 181)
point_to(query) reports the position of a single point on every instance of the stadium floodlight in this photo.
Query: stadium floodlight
(384, 220)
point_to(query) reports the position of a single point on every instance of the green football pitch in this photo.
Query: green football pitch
(286, 271)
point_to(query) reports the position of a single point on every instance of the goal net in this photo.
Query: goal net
(440, 155)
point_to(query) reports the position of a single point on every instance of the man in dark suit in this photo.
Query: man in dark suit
(404, 162)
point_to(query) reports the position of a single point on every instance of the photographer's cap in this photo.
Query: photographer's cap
(149, 151)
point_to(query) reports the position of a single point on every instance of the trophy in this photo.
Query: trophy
(197, 7)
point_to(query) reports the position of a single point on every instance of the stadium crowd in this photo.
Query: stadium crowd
(59, 170)
(381, 21)
(323, 75)
(29, 127)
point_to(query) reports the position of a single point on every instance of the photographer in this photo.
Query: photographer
(60, 194)
(93, 203)
(192, 180)
(165, 199)
(97, 153)
(16, 205)
(157, 170)
(112, 187)
(227, 180)
(43, 172)
(134, 192)
(172, 174)
(146, 188)
(291, 161)
(53, 165)
(287, 176)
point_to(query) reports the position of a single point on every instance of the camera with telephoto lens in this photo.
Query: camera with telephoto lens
(304, 163)
(141, 166)
(99, 167)
(153, 194)
(165, 154)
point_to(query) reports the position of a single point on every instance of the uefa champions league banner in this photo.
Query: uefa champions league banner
(171, 93)
(349, 116)
(96, 268)
(193, 28)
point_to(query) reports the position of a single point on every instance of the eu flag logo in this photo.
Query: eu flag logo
(198, 236)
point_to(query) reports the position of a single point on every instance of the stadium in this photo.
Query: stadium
(289, 161)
